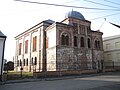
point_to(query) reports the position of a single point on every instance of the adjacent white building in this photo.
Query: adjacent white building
(111, 47)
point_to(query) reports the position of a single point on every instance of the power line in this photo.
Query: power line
(99, 11)
(105, 16)
(100, 4)
(112, 2)
(70, 1)
(61, 3)
(66, 5)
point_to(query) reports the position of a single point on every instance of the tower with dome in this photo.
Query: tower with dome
(60, 46)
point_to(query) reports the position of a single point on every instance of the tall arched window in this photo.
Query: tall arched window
(97, 44)
(32, 61)
(89, 43)
(20, 48)
(20, 62)
(65, 39)
(27, 62)
(26, 46)
(75, 41)
(35, 63)
(24, 62)
(34, 43)
(82, 41)
(17, 62)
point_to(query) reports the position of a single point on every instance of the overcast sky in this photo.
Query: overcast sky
(16, 16)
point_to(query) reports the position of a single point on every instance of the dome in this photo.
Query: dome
(74, 14)
(49, 21)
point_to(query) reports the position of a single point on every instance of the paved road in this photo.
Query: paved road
(99, 82)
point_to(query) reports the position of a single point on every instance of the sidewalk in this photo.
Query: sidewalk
(56, 78)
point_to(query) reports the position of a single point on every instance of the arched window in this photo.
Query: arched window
(17, 62)
(82, 41)
(26, 46)
(34, 43)
(89, 43)
(24, 62)
(27, 62)
(20, 62)
(32, 61)
(97, 44)
(20, 48)
(75, 41)
(35, 63)
(65, 39)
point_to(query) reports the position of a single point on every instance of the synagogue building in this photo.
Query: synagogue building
(66, 45)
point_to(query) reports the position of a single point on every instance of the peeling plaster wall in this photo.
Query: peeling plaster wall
(51, 59)
(98, 58)
(73, 58)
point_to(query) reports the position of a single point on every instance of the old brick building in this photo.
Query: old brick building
(66, 45)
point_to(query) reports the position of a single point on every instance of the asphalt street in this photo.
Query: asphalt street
(109, 81)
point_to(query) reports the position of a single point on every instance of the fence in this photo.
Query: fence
(59, 69)
(112, 65)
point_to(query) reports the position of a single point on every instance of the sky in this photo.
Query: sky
(17, 17)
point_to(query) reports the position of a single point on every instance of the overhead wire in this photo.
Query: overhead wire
(70, 1)
(99, 3)
(99, 11)
(105, 16)
(67, 2)
(65, 5)
(112, 2)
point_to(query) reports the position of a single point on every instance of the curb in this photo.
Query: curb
(53, 78)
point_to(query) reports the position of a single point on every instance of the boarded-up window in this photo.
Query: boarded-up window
(34, 43)
(20, 48)
(47, 42)
(26, 46)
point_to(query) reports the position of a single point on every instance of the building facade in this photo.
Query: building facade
(66, 45)
(111, 46)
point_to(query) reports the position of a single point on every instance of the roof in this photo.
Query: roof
(111, 37)
(37, 25)
(49, 21)
(2, 35)
(74, 14)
